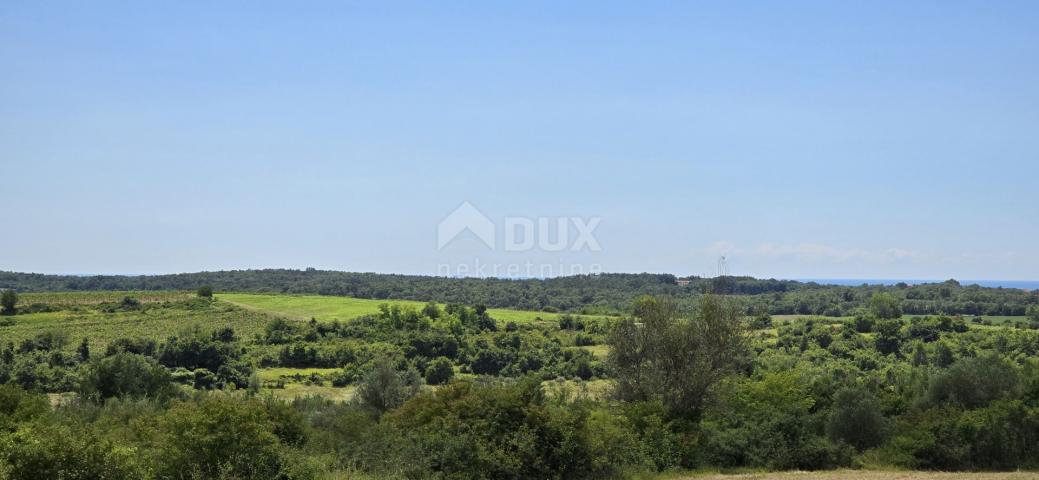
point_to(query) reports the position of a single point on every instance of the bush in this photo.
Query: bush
(18, 406)
(767, 423)
(140, 346)
(466, 431)
(888, 337)
(582, 340)
(761, 321)
(39, 450)
(885, 306)
(975, 382)
(440, 371)
(126, 375)
(219, 436)
(384, 389)
(8, 302)
(675, 359)
(926, 329)
(215, 351)
(205, 291)
(856, 419)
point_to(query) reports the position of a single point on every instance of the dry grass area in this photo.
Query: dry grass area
(866, 475)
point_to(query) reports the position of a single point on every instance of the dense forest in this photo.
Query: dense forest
(604, 293)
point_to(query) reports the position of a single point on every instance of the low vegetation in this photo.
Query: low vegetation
(178, 385)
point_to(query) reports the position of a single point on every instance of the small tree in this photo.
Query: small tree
(485, 322)
(205, 291)
(658, 354)
(856, 419)
(864, 322)
(975, 382)
(431, 310)
(84, 350)
(384, 389)
(219, 436)
(885, 306)
(440, 371)
(126, 375)
(8, 300)
(888, 338)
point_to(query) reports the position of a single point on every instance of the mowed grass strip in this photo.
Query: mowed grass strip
(327, 308)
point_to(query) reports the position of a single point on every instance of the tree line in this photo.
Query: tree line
(587, 294)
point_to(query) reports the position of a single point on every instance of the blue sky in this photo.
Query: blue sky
(799, 139)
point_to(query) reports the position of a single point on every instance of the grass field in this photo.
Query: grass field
(68, 299)
(156, 323)
(328, 308)
(295, 388)
(859, 475)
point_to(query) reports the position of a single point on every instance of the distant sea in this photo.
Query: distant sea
(1020, 284)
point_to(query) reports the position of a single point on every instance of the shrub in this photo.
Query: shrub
(926, 329)
(39, 450)
(767, 423)
(975, 382)
(675, 359)
(466, 431)
(126, 375)
(8, 302)
(582, 340)
(440, 371)
(219, 436)
(885, 306)
(761, 321)
(214, 351)
(864, 323)
(205, 291)
(140, 346)
(18, 406)
(384, 389)
(431, 310)
(888, 337)
(856, 419)
(490, 361)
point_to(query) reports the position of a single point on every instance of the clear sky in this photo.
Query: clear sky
(800, 139)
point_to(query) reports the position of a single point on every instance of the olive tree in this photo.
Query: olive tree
(384, 388)
(659, 354)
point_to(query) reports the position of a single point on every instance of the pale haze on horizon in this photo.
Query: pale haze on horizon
(799, 140)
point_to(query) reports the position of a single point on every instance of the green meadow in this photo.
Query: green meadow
(327, 308)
